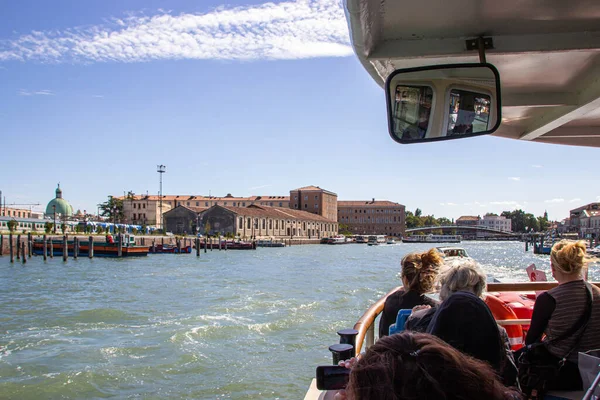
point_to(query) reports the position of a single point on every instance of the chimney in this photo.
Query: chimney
(373, 200)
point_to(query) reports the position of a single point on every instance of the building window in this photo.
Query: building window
(197, 204)
(270, 224)
(244, 204)
(316, 206)
(276, 224)
(248, 224)
(271, 204)
(305, 197)
(295, 197)
(206, 204)
(280, 204)
(225, 203)
(295, 205)
(264, 224)
(316, 197)
(241, 223)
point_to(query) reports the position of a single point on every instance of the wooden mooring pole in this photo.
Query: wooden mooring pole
(205, 240)
(18, 247)
(10, 248)
(91, 247)
(120, 246)
(29, 245)
(45, 251)
(23, 255)
(65, 248)
(220, 242)
(75, 247)
(197, 247)
(1, 245)
(51, 248)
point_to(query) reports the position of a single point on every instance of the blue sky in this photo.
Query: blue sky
(249, 98)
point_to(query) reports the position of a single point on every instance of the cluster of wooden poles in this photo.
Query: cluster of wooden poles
(24, 248)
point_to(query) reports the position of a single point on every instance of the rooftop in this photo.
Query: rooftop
(368, 203)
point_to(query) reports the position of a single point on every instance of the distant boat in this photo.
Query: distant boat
(339, 239)
(432, 239)
(171, 249)
(391, 241)
(269, 243)
(376, 240)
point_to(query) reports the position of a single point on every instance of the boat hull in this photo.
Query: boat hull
(101, 249)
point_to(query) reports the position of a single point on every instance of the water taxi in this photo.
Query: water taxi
(375, 240)
(339, 239)
(453, 252)
(432, 239)
(391, 241)
(520, 71)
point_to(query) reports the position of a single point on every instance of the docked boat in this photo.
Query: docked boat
(360, 239)
(101, 248)
(228, 245)
(171, 249)
(269, 243)
(432, 239)
(375, 240)
(390, 241)
(339, 239)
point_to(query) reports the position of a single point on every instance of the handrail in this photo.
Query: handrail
(368, 318)
(524, 286)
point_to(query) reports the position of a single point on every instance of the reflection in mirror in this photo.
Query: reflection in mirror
(469, 112)
(443, 102)
(411, 111)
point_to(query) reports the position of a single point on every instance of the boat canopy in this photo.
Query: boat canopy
(546, 51)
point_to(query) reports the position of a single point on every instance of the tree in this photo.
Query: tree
(112, 209)
(63, 227)
(48, 226)
(99, 230)
(418, 212)
(344, 230)
(12, 225)
(444, 221)
(491, 214)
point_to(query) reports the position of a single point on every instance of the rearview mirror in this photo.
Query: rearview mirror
(441, 102)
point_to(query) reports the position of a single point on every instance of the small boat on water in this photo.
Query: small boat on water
(432, 239)
(390, 241)
(339, 239)
(453, 252)
(360, 239)
(375, 240)
(106, 248)
(171, 249)
(229, 245)
(269, 243)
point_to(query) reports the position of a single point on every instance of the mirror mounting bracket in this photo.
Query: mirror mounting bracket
(480, 44)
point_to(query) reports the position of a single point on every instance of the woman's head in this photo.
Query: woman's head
(568, 257)
(462, 276)
(419, 270)
(420, 366)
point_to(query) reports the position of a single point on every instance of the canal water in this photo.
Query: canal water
(230, 325)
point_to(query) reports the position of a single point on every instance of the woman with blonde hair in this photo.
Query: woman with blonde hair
(569, 314)
(419, 272)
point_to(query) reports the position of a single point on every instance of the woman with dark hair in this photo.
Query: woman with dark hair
(418, 366)
(419, 272)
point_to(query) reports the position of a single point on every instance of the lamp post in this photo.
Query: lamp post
(54, 208)
(161, 170)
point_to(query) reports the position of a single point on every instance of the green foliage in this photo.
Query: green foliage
(12, 225)
(344, 230)
(112, 209)
(63, 227)
(134, 231)
(77, 228)
(99, 230)
(48, 226)
(526, 222)
(89, 229)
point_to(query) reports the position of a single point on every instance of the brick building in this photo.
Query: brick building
(468, 220)
(372, 217)
(250, 222)
(315, 200)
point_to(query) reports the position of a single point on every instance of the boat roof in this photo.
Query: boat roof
(450, 248)
(547, 53)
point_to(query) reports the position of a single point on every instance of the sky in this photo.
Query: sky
(247, 98)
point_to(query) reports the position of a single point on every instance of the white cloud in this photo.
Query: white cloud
(536, 166)
(43, 92)
(258, 187)
(575, 200)
(448, 204)
(289, 30)
(514, 178)
(554, 201)
(504, 203)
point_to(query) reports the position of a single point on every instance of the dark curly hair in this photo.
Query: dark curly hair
(419, 366)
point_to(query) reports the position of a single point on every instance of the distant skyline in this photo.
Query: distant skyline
(251, 98)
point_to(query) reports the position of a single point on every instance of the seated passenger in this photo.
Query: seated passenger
(463, 320)
(419, 271)
(419, 366)
(559, 310)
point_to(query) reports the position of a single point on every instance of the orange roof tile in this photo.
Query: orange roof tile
(368, 203)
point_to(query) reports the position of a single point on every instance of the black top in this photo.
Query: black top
(466, 323)
(397, 301)
(542, 311)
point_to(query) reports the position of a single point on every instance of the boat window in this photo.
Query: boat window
(412, 108)
(469, 112)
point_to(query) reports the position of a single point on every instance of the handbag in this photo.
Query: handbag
(538, 368)
(589, 369)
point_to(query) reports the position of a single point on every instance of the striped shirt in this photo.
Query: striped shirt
(571, 302)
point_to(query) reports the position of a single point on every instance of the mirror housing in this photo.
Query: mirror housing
(442, 102)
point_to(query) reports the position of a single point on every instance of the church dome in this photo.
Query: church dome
(59, 205)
